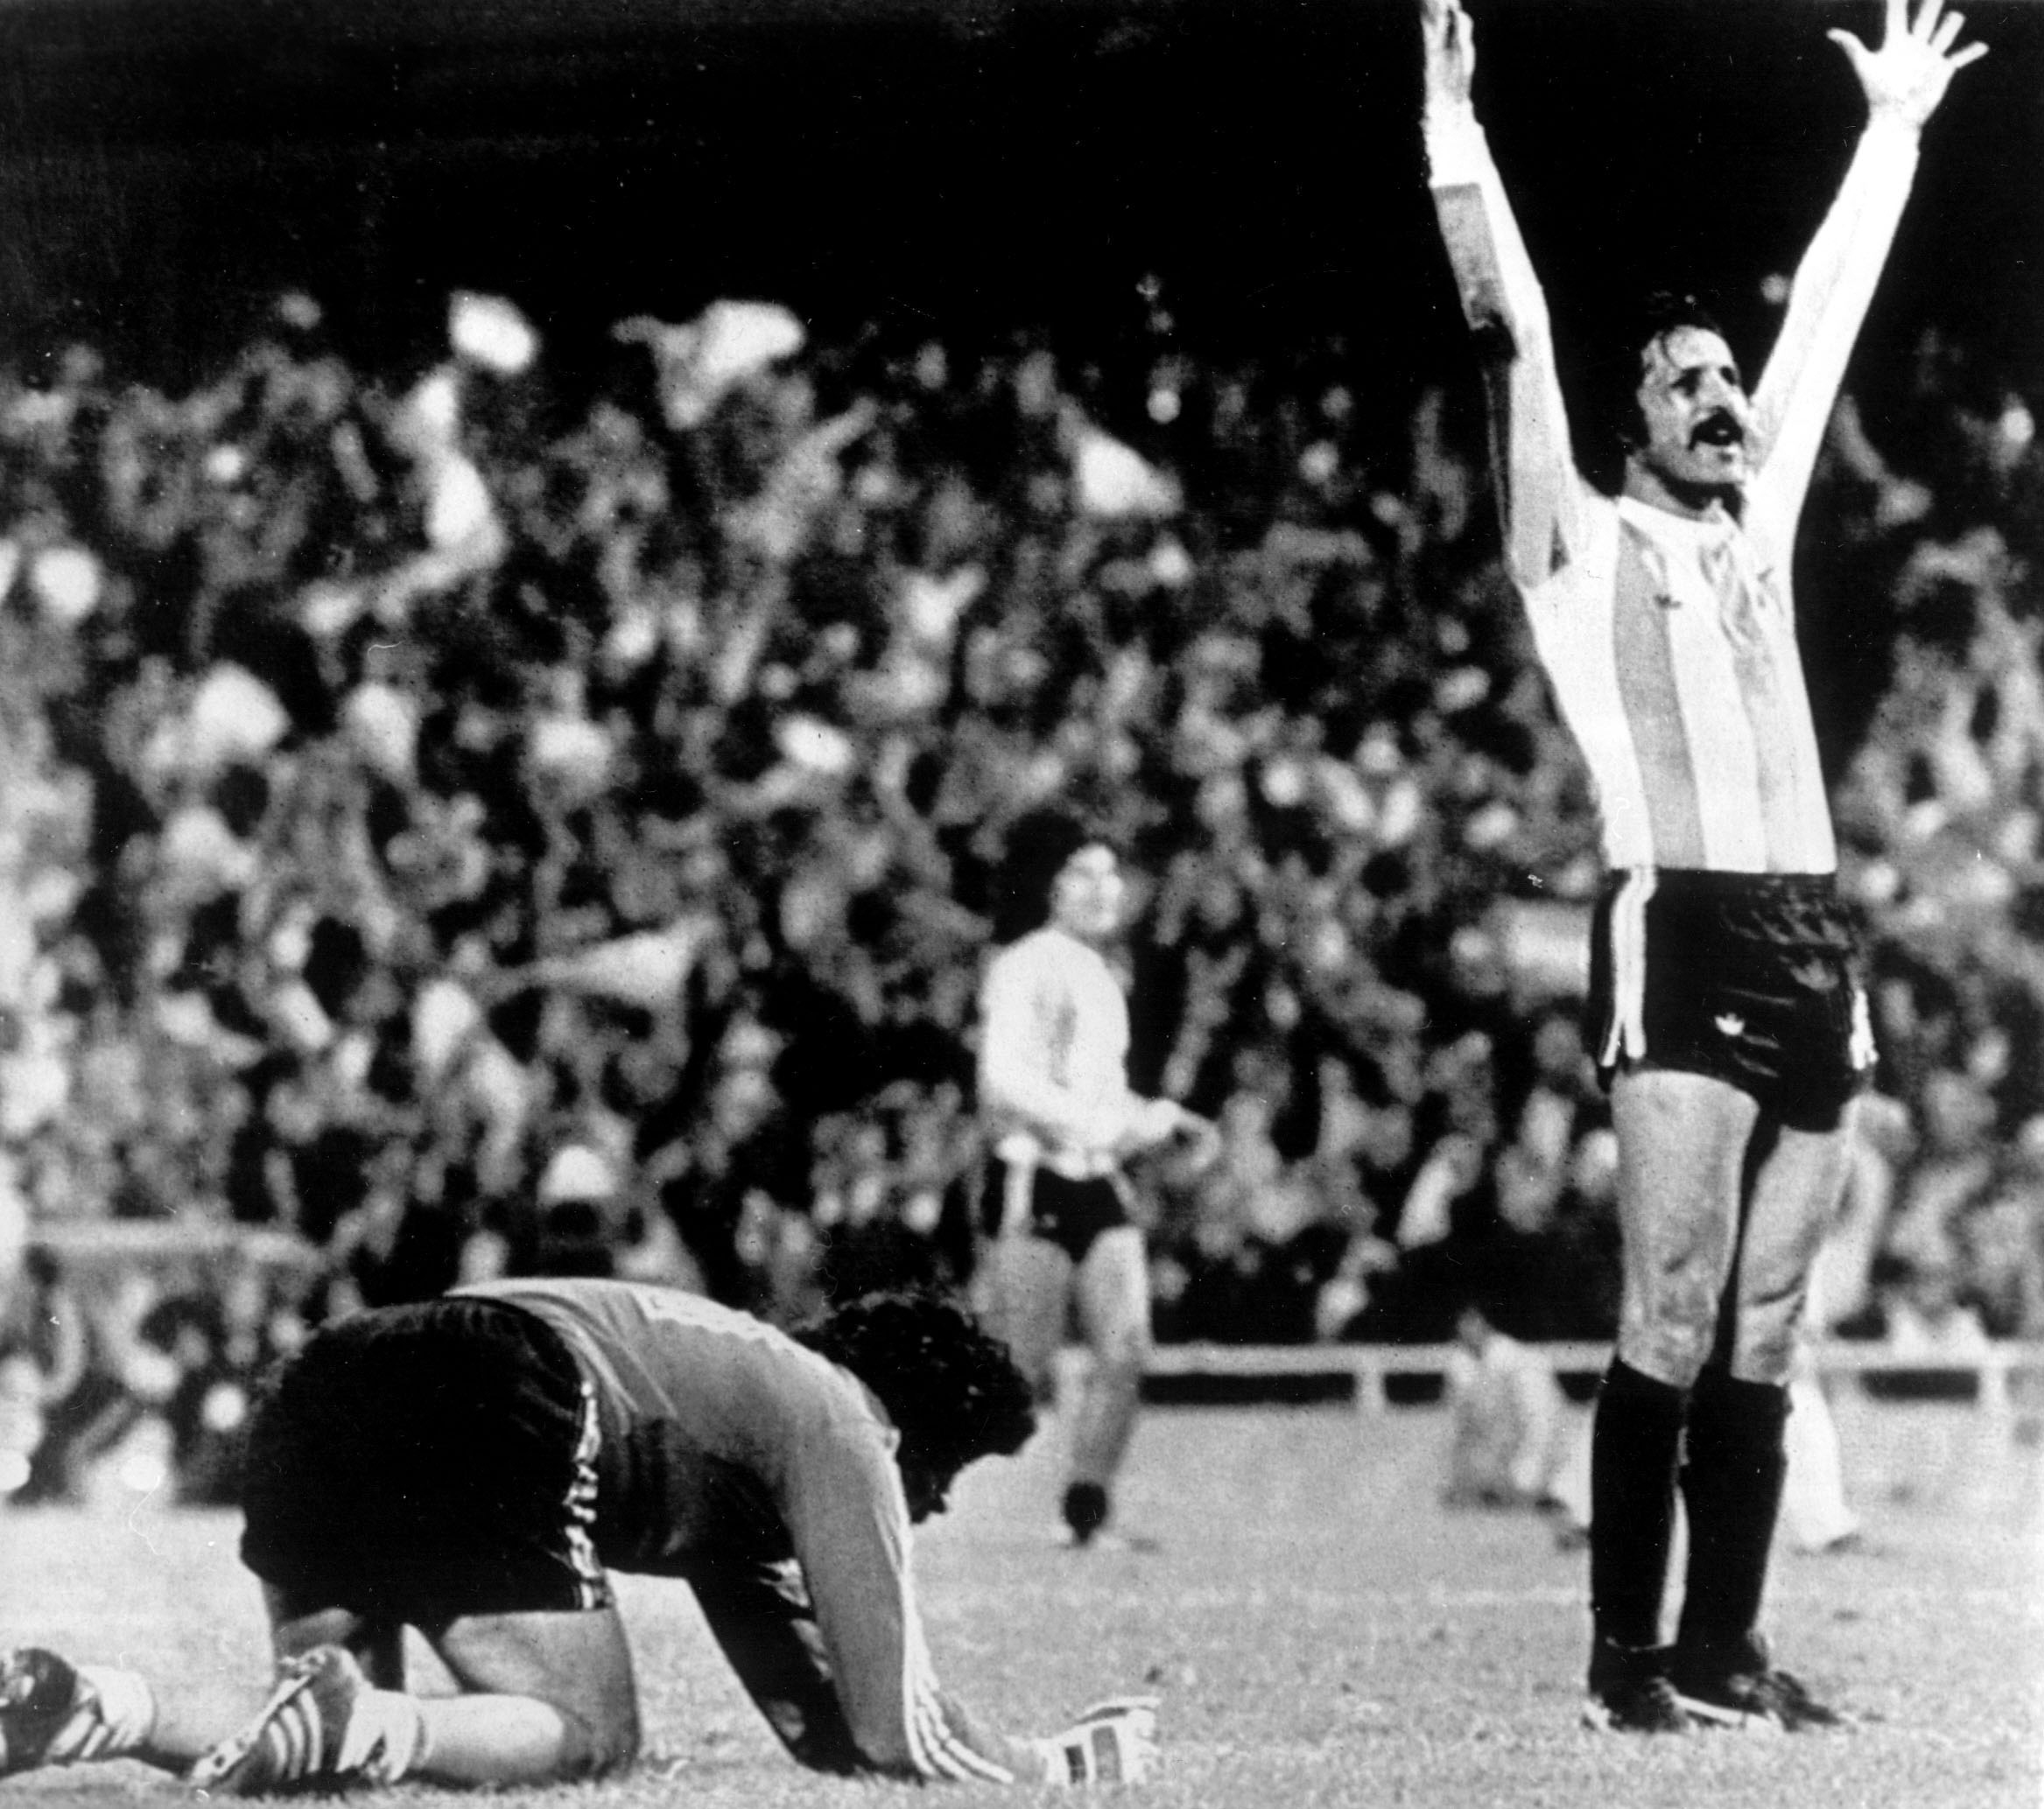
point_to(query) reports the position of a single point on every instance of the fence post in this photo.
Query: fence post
(1369, 1374)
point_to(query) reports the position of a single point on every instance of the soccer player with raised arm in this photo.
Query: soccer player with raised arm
(474, 1467)
(1727, 1010)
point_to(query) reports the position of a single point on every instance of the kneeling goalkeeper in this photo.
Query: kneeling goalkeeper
(476, 1467)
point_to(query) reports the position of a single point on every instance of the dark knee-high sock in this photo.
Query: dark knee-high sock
(1731, 1479)
(1634, 1447)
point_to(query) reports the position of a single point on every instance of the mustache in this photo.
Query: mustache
(1719, 427)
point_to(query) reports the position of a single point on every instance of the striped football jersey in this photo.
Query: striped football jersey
(1669, 643)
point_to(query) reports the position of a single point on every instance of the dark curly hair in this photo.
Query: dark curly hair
(1038, 844)
(1611, 376)
(949, 1388)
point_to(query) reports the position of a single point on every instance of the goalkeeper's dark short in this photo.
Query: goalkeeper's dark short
(420, 1463)
(1751, 978)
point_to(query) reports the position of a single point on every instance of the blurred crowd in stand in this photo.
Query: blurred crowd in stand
(495, 818)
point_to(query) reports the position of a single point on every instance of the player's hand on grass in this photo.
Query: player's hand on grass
(1113, 1742)
(1907, 76)
(1451, 54)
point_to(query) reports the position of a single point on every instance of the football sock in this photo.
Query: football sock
(1731, 1479)
(117, 1715)
(385, 1738)
(1085, 1510)
(1634, 1442)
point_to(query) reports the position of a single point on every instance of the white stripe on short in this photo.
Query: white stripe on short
(592, 1586)
(1627, 1034)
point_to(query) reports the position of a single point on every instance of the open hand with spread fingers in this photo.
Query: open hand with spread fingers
(1450, 54)
(1906, 77)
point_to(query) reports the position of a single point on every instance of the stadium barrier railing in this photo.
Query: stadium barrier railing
(1990, 1377)
(1370, 1374)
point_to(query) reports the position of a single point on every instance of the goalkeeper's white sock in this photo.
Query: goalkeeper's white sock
(385, 1739)
(116, 1715)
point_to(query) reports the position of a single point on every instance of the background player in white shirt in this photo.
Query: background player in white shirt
(1060, 1121)
(1727, 1012)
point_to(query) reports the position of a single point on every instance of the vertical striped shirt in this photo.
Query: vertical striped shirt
(1670, 642)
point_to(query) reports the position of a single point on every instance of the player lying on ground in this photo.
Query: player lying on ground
(1728, 1016)
(473, 1466)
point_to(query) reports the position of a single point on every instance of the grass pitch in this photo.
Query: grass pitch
(1320, 1632)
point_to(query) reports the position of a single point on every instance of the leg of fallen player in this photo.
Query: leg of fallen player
(55, 1711)
(542, 1697)
(545, 1696)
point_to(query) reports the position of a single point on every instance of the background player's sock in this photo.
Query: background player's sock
(1085, 1510)
(1634, 1442)
(1732, 1473)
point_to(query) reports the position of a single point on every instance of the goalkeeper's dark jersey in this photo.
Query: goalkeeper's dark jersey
(764, 1475)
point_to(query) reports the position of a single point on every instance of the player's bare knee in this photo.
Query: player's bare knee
(1764, 1336)
(1766, 1356)
(1670, 1352)
(1671, 1334)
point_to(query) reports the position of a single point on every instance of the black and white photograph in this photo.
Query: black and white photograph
(1139, 896)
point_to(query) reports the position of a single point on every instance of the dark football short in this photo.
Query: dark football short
(425, 1462)
(1070, 1214)
(1753, 978)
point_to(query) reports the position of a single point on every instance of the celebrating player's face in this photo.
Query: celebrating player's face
(1697, 424)
(1087, 896)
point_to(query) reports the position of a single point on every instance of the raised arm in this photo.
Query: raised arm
(1539, 492)
(1904, 80)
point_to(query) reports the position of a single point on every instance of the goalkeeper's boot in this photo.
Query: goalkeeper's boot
(53, 1713)
(1741, 1689)
(324, 1727)
(1630, 1691)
